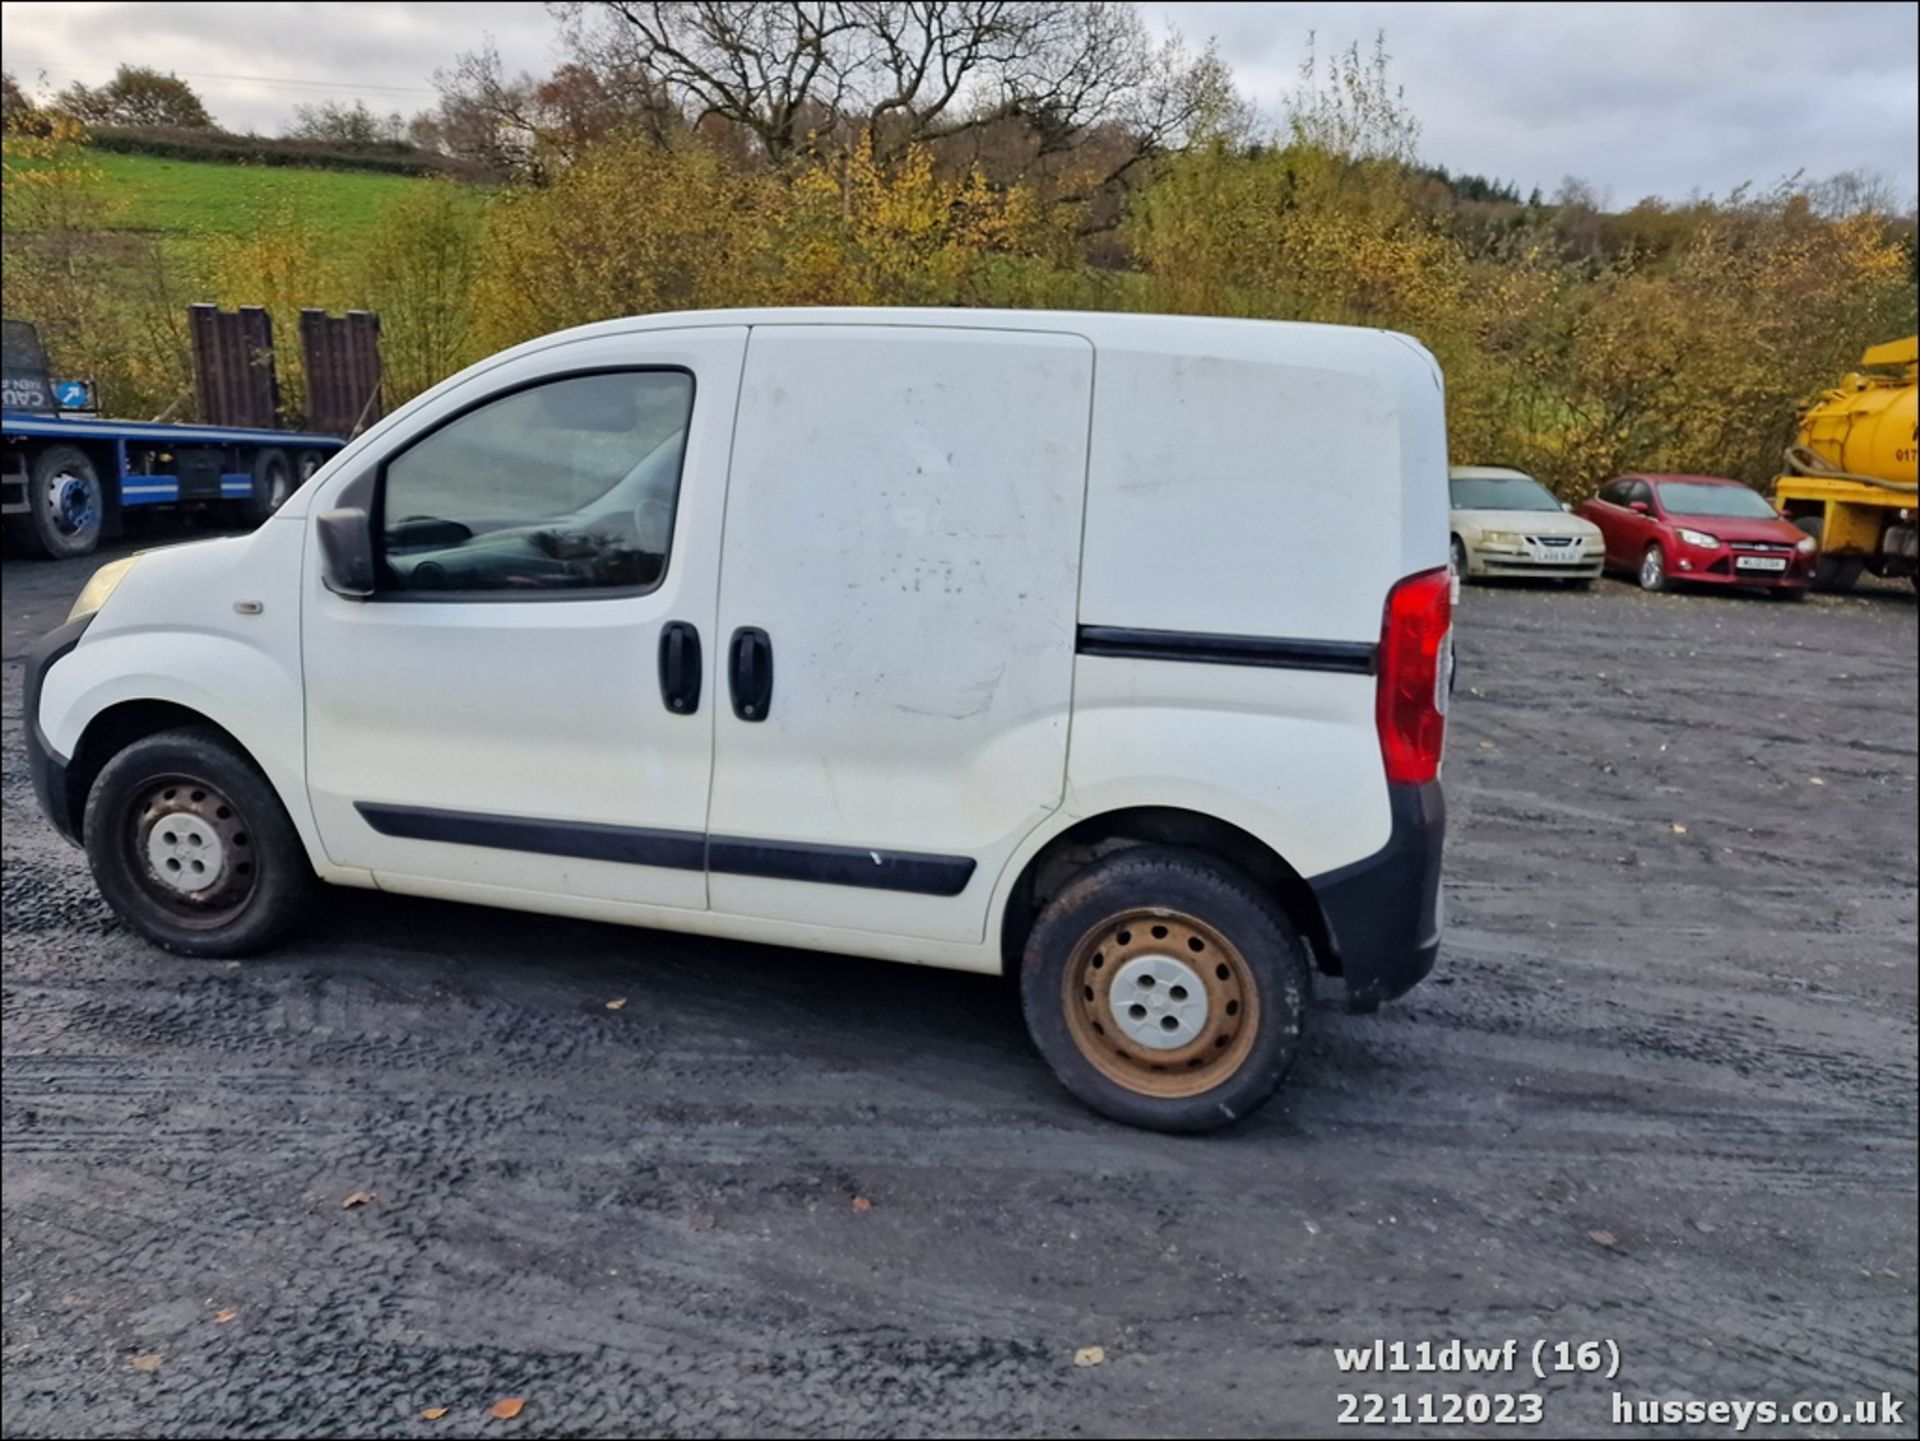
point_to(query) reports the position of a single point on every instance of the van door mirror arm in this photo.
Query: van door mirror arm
(346, 552)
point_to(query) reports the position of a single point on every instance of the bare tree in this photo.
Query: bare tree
(798, 74)
(522, 125)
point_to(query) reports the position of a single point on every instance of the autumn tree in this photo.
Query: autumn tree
(14, 101)
(137, 95)
(417, 272)
(124, 326)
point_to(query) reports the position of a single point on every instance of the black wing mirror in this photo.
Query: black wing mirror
(346, 552)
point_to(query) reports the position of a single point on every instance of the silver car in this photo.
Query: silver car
(1506, 523)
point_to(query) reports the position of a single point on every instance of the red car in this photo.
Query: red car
(1666, 528)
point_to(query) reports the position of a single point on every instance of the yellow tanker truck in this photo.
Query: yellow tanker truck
(1851, 478)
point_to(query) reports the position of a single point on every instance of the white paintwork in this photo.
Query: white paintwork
(1256, 479)
(1029, 470)
(544, 709)
(1290, 756)
(903, 520)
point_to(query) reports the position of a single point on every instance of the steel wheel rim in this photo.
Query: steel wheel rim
(279, 485)
(1652, 568)
(1219, 1043)
(181, 819)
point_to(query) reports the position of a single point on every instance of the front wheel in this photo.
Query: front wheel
(1166, 990)
(192, 848)
(1457, 559)
(1653, 569)
(1837, 573)
(66, 505)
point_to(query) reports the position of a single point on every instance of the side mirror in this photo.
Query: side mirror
(1567, 506)
(346, 552)
(1639, 507)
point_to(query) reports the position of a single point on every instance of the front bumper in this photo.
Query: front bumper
(1706, 568)
(46, 766)
(1383, 913)
(1492, 564)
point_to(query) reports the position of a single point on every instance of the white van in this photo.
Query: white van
(1109, 649)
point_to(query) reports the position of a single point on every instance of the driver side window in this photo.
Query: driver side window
(567, 485)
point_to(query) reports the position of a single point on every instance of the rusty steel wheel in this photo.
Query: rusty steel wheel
(192, 849)
(1165, 988)
(1161, 1003)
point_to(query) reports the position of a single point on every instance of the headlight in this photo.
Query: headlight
(100, 587)
(1806, 545)
(1700, 538)
(1499, 537)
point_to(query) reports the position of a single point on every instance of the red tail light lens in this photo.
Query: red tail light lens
(1411, 707)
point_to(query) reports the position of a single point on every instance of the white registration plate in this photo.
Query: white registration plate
(1759, 562)
(1559, 555)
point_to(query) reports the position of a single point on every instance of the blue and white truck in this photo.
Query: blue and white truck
(67, 481)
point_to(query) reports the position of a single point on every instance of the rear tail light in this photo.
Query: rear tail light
(1415, 660)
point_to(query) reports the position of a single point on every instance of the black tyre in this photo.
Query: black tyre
(1830, 572)
(1457, 559)
(192, 848)
(1837, 572)
(1166, 990)
(273, 482)
(66, 505)
(1652, 574)
(305, 465)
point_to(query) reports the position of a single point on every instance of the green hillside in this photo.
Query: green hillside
(176, 198)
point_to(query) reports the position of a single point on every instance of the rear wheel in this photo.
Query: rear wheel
(192, 848)
(66, 505)
(1653, 568)
(272, 483)
(1166, 990)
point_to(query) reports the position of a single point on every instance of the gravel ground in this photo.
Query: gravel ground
(1661, 1091)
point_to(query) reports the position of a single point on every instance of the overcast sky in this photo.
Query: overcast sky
(1638, 99)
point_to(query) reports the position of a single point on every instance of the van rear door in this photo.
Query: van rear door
(898, 584)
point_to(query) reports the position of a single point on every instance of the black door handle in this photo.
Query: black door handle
(680, 667)
(750, 673)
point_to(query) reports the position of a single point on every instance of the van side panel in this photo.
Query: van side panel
(903, 521)
(1273, 481)
(1288, 756)
(1252, 481)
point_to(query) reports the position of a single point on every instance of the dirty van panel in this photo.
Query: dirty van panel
(497, 713)
(1288, 476)
(903, 524)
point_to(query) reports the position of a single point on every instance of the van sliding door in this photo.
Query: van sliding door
(898, 582)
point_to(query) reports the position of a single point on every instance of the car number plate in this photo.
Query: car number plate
(1759, 562)
(1561, 555)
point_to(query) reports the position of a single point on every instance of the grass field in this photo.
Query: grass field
(178, 198)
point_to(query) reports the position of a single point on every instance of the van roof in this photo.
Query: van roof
(1187, 334)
